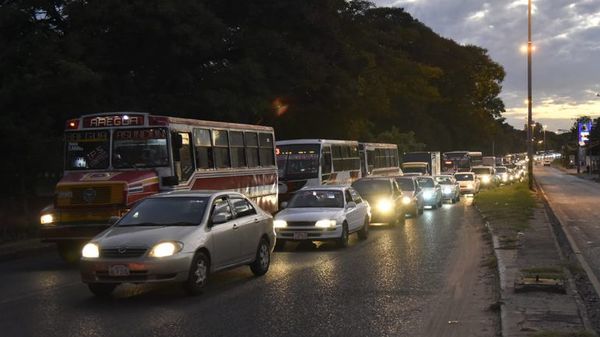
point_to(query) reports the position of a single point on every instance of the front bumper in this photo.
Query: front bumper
(64, 232)
(141, 270)
(308, 233)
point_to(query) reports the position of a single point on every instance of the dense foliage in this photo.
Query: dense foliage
(310, 68)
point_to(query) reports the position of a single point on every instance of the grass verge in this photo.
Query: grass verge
(509, 207)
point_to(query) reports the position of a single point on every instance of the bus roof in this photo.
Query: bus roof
(316, 141)
(145, 119)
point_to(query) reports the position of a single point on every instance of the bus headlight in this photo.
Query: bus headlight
(91, 251)
(279, 224)
(406, 200)
(325, 223)
(46, 219)
(385, 206)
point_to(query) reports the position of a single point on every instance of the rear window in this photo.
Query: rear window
(372, 186)
(463, 177)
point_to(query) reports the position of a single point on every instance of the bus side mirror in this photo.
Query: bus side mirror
(170, 181)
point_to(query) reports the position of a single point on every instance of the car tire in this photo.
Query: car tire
(261, 263)
(102, 289)
(363, 233)
(69, 252)
(342, 242)
(198, 274)
(280, 244)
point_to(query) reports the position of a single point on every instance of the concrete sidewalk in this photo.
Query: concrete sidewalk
(583, 175)
(526, 310)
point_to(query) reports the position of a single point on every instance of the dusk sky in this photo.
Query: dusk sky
(566, 61)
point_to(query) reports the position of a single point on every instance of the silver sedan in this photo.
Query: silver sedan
(179, 237)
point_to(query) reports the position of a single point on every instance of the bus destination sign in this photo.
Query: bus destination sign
(113, 120)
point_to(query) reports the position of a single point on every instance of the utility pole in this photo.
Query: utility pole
(529, 101)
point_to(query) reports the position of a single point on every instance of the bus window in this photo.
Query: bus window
(221, 149)
(236, 144)
(203, 145)
(251, 148)
(267, 154)
(326, 160)
(182, 155)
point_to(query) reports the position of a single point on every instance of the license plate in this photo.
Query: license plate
(118, 270)
(300, 236)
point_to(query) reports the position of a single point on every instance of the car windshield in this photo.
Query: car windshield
(87, 150)
(481, 170)
(318, 199)
(366, 187)
(425, 182)
(406, 184)
(444, 180)
(464, 177)
(134, 148)
(298, 161)
(500, 169)
(179, 211)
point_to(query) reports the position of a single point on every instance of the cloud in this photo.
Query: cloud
(566, 34)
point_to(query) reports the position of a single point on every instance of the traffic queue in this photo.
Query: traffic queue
(162, 199)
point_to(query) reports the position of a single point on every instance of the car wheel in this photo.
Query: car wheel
(69, 252)
(342, 242)
(280, 244)
(198, 274)
(102, 289)
(363, 233)
(261, 264)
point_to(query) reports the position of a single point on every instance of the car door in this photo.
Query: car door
(225, 236)
(397, 197)
(361, 207)
(352, 214)
(249, 226)
(418, 194)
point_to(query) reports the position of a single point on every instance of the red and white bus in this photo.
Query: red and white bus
(113, 160)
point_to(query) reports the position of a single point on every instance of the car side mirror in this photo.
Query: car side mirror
(351, 204)
(170, 181)
(284, 204)
(220, 218)
(113, 220)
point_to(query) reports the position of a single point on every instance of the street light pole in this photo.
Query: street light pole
(529, 102)
(544, 127)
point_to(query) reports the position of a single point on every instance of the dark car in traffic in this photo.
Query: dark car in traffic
(384, 196)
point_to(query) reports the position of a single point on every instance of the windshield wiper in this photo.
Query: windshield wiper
(141, 224)
(181, 223)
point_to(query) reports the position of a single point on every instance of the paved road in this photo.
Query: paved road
(576, 203)
(400, 282)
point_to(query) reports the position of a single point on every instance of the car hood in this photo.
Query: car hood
(308, 214)
(142, 236)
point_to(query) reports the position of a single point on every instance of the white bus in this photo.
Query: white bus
(312, 162)
(379, 159)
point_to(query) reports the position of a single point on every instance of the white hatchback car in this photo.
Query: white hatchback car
(179, 237)
(323, 213)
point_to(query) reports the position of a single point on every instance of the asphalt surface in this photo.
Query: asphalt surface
(395, 283)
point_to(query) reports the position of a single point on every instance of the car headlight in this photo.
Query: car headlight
(428, 194)
(325, 223)
(385, 206)
(447, 190)
(91, 251)
(485, 179)
(46, 219)
(165, 249)
(279, 224)
(504, 177)
(406, 200)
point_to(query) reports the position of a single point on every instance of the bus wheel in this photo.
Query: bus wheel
(70, 252)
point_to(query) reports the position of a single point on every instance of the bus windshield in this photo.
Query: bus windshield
(87, 150)
(298, 161)
(135, 148)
